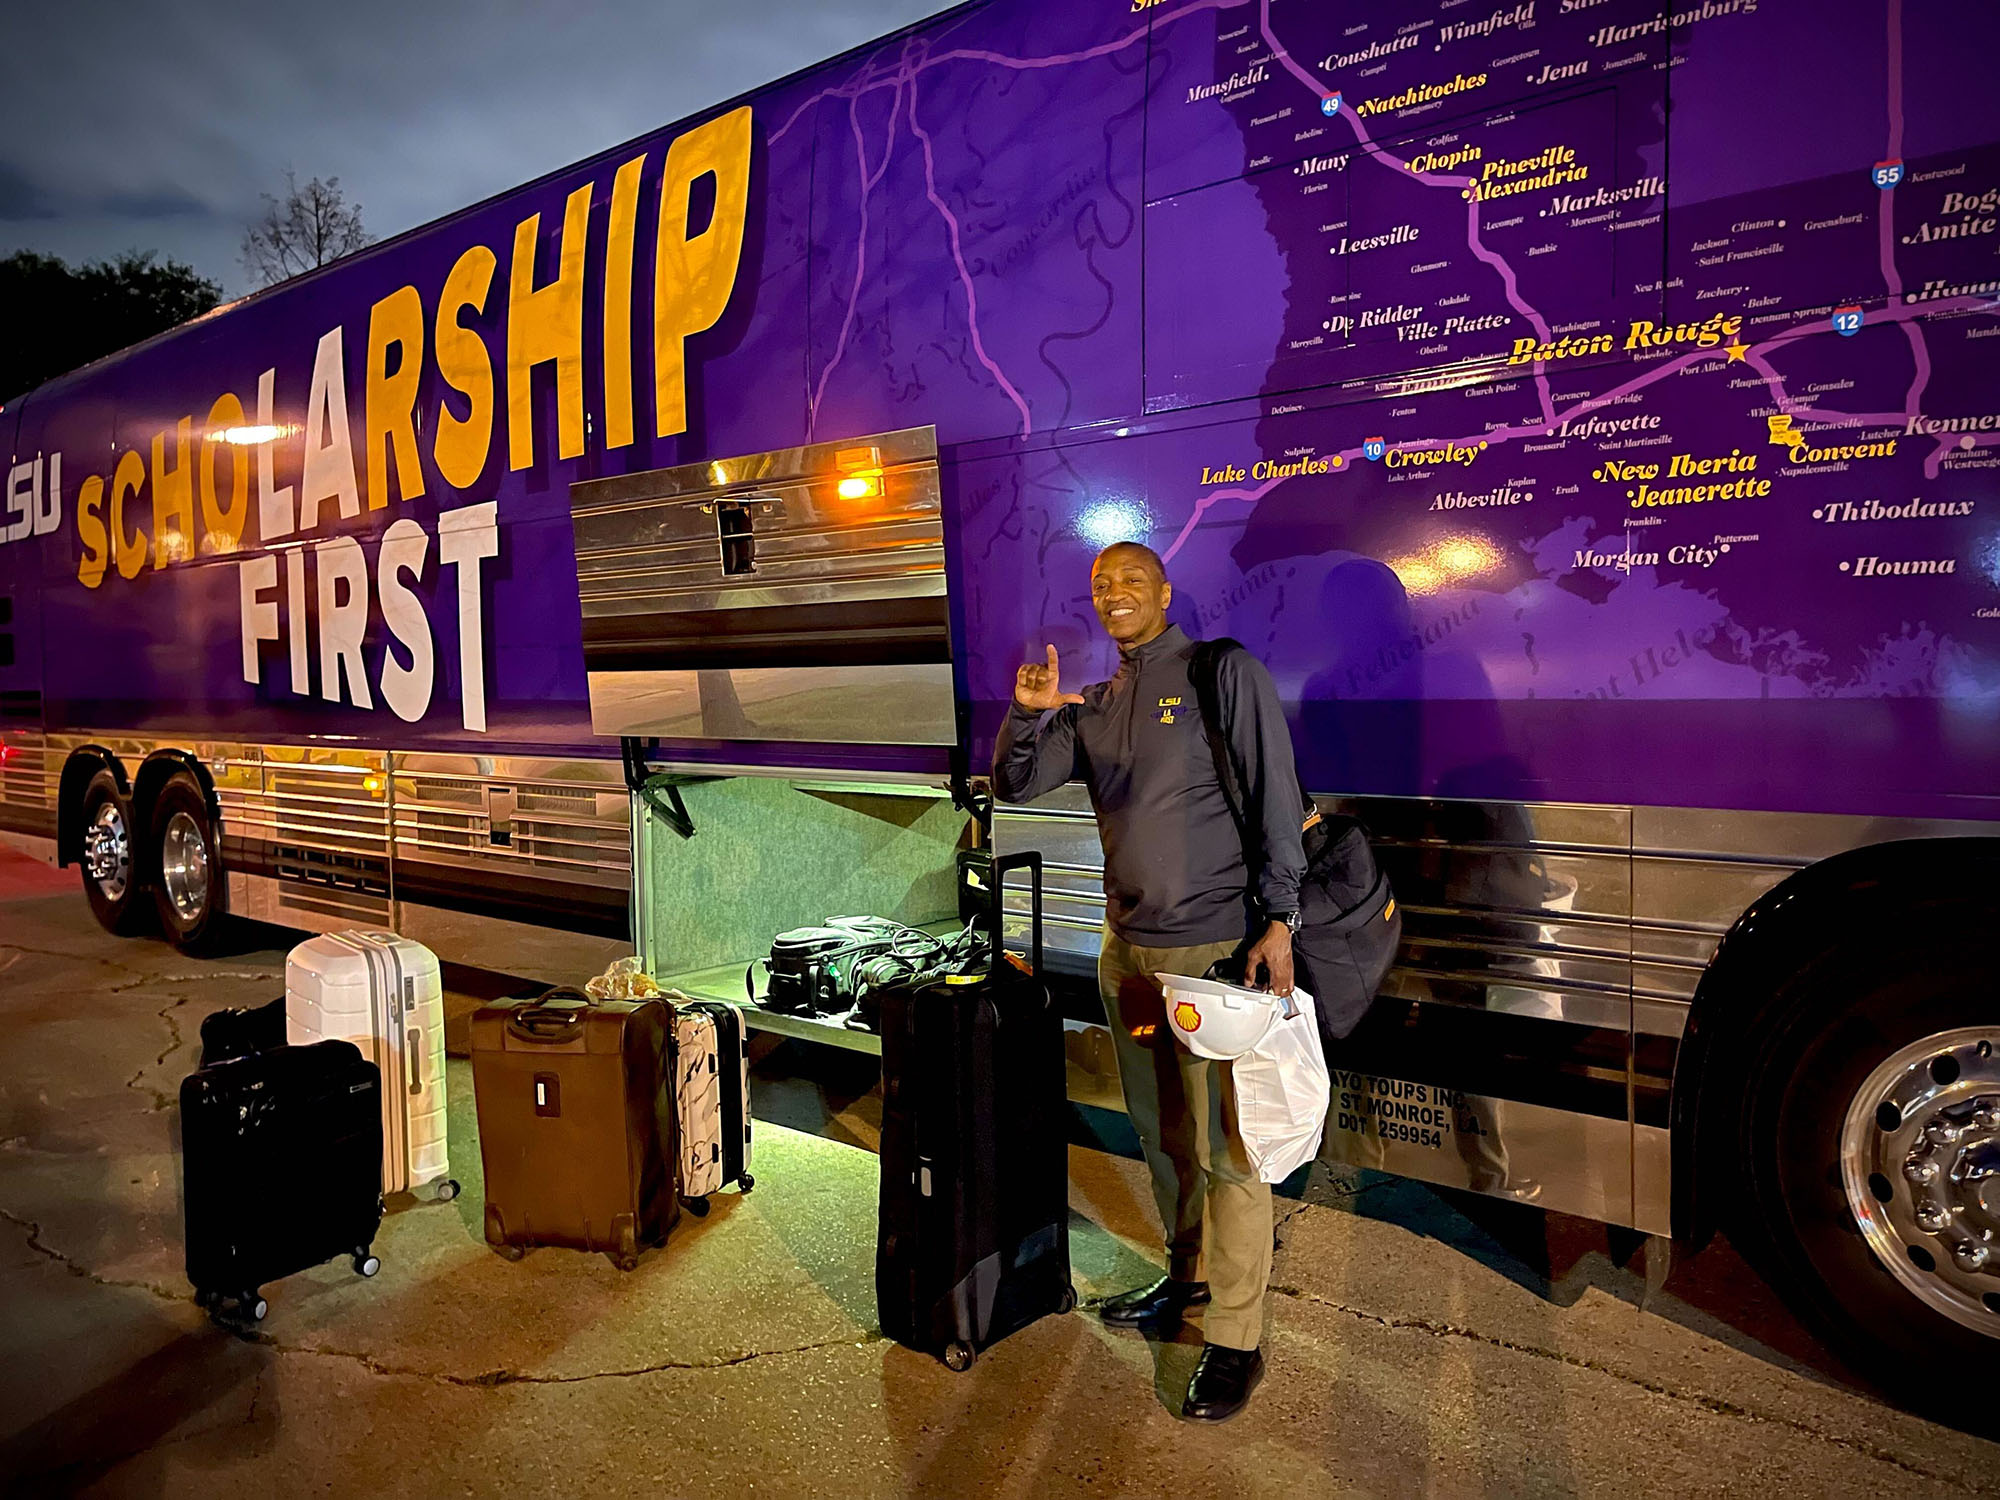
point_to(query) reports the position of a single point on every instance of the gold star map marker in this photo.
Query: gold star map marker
(1735, 351)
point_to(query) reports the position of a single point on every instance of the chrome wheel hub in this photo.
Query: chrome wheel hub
(1920, 1162)
(184, 866)
(107, 851)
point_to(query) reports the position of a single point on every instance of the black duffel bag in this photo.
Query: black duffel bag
(1349, 924)
(230, 1034)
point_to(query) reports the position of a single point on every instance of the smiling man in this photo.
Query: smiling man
(1179, 894)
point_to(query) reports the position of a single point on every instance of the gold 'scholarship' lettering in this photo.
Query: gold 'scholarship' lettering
(192, 498)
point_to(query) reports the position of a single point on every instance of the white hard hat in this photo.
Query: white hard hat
(1218, 1020)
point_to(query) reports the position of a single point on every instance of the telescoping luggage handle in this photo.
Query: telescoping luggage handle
(1031, 861)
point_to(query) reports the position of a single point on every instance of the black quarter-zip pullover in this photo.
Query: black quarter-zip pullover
(1174, 867)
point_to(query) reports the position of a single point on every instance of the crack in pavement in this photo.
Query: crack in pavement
(494, 1379)
(75, 958)
(490, 1379)
(209, 976)
(176, 1038)
(33, 1230)
(1713, 1404)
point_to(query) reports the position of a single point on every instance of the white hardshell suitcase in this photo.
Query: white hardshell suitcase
(383, 993)
(712, 1097)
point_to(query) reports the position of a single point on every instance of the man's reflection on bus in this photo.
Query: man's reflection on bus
(1371, 713)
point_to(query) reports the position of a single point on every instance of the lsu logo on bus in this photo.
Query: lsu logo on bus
(315, 467)
(34, 498)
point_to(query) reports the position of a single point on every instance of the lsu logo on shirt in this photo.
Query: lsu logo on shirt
(1167, 707)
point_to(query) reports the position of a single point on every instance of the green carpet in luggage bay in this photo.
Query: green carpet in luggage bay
(769, 855)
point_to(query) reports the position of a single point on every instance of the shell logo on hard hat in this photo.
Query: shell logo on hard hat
(1187, 1017)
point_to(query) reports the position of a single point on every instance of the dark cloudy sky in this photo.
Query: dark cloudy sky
(154, 126)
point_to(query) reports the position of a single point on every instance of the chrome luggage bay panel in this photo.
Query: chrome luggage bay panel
(1570, 937)
(748, 599)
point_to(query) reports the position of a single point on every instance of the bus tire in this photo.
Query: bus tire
(186, 860)
(110, 858)
(1868, 1104)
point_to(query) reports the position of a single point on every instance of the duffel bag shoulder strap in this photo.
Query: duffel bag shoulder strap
(1205, 671)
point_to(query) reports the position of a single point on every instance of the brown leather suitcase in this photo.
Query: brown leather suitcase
(577, 1127)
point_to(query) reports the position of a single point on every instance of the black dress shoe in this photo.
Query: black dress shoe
(1222, 1383)
(1165, 1299)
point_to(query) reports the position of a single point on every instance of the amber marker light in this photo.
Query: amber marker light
(861, 473)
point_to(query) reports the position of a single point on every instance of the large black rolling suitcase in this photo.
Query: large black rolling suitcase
(974, 1236)
(281, 1169)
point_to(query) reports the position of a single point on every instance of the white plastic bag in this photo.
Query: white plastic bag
(1283, 1093)
(626, 979)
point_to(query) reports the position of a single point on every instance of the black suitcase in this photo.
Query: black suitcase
(974, 1236)
(227, 1034)
(281, 1169)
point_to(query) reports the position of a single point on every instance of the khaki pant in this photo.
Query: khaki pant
(1216, 1212)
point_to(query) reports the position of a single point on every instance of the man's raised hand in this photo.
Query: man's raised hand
(1036, 685)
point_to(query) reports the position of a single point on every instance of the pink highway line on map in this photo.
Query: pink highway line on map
(1957, 442)
(1020, 64)
(1892, 278)
(868, 81)
(1639, 382)
(869, 182)
(964, 272)
(1498, 262)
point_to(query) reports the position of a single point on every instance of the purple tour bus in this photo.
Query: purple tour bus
(1586, 408)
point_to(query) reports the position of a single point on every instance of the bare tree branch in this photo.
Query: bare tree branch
(305, 229)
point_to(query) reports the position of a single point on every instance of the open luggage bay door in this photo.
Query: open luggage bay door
(797, 595)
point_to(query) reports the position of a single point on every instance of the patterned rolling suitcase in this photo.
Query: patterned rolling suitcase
(281, 1169)
(712, 1098)
(383, 993)
(576, 1123)
(974, 1237)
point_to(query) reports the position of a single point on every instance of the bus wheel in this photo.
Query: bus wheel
(188, 891)
(109, 879)
(1873, 1156)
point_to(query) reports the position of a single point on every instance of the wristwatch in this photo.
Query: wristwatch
(1290, 918)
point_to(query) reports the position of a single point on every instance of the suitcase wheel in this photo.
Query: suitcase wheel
(1066, 1303)
(509, 1252)
(625, 1261)
(248, 1306)
(366, 1264)
(447, 1190)
(696, 1206)
(958, 1356)
(748, 1182)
